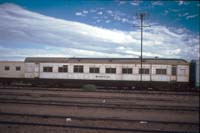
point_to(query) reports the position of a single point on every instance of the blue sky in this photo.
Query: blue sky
(98, 28)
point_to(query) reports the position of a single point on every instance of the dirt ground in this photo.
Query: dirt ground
(129, 99)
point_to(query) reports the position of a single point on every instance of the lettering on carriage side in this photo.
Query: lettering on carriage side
(102, 76)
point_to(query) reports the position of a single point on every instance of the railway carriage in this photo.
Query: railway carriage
(110, 72)
(194, 74)
(11, 71)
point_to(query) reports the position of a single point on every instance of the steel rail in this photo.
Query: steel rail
(96, 105)
(87, 97)
(163, 92)
(89, 127)
(99, 118)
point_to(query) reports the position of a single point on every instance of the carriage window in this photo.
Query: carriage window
(64, 68)
(143, 71)
(6, 68)
(110, 70)
(94, 70)
(47, 69)
(127, 70)
(161, 71)
(174, 70)
(18, 68)
(78, 69)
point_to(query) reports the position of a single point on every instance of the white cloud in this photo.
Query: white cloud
(185, 14)
(100, 13)
(182, 2)
(124, 20)
(166, 12)
(135, 2)
(79, 14)
(109, 11)
(40, 35)
(107, 21)
(192, 16)
(21, 53)
(156, 3)
(174, 10)
(84, 11)
(121, 2)
(122, 17)
(98, 20)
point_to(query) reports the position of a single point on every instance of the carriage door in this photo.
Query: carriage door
(37, 70)
(174, 73)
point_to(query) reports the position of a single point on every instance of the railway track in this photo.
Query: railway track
(84, 97)
(193, 93)
(151, 126)
(89, 127)
(98, 118)
(97, 105)
(53, 98)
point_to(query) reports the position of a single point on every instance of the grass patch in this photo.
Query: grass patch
(89, 87)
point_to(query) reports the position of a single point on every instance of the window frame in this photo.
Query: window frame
(94, 70)
(127, 70)
(18, 68)
(144, 71)
(48, 69)
(110, 70)
(161, 71)
(6, 68)
(63, 69)
(174, 71)
(78, 69)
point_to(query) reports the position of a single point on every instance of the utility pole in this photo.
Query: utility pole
(141, 16)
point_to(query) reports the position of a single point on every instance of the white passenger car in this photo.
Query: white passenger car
(107, 69)
(104, 71)
(11, 69)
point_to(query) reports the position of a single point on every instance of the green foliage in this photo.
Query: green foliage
(89, 87)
